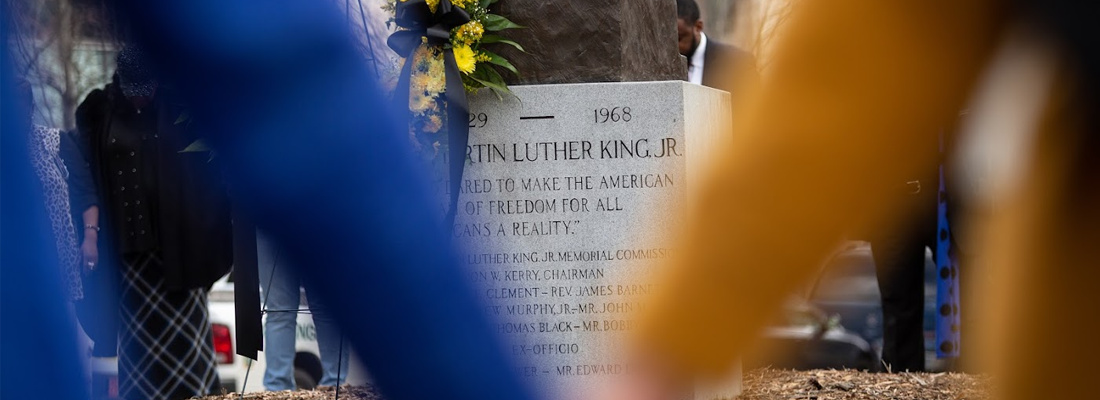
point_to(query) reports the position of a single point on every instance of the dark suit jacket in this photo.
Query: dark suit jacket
(722, 63)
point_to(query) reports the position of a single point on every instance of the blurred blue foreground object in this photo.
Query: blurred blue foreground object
(313, 154)
(38, 340)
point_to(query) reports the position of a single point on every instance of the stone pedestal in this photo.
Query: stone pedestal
(593, 41)
(571, 199)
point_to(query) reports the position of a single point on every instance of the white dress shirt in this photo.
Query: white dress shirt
(695, 69)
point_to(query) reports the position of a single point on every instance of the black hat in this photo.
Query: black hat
(135, 77)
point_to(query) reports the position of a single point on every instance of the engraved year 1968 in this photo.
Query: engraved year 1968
(614, 114)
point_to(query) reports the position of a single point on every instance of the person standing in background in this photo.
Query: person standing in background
(98, 310)
(281, 289)
(710, 62)
(899, 253)
(45, 151)
(166, 219)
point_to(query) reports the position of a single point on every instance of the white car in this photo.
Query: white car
(234, 371)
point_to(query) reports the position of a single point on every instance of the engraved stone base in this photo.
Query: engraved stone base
(571, 200)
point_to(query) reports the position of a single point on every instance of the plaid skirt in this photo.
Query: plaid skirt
(165, 344)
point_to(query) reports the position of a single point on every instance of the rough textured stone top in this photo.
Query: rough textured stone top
(577, 41)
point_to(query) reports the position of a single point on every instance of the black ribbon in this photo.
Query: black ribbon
(420, 22)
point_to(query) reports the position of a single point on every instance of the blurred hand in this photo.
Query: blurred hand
(630, 388)
(647, 381)
(90, 253)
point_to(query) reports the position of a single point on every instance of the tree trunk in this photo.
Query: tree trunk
(65, 49)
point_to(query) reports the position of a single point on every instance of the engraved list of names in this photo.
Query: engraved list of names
(569, 202)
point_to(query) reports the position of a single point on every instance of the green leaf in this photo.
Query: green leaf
(500, 39)
(496, 23)
(486, 3)
(197, 146)
(489, 84)
(501, 61)
(184, 116)
(496, 91)
(492, 80)
(491, 75)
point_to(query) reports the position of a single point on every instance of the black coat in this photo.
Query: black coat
(194, 235)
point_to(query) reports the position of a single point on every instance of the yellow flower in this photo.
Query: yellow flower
(428, 83)
(421, 103)
(434, 124)
(462, 3)
(469, 32)
(428, 72)
(416, 83)
(482, 57)
(420, 82)
(432, 4)
(421, 57)
(465, 58)
(437, 71)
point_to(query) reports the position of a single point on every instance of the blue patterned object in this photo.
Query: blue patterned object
(947, 280)
(39, 353)
(315, 156)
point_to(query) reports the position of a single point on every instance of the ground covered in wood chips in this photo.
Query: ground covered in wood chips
(346, 392)
(764, 384)
(775, 384)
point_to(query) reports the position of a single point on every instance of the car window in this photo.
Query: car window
(798, 318)
(848, 277)
(850, 264)
(849, 289)
(795, 314)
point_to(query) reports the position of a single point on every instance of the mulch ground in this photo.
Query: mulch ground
(775, 384)
(346, 392)
(765, 384)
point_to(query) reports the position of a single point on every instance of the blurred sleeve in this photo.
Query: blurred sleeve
(316, 156)
(854, 86)
(77, 150)
(82, 192)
